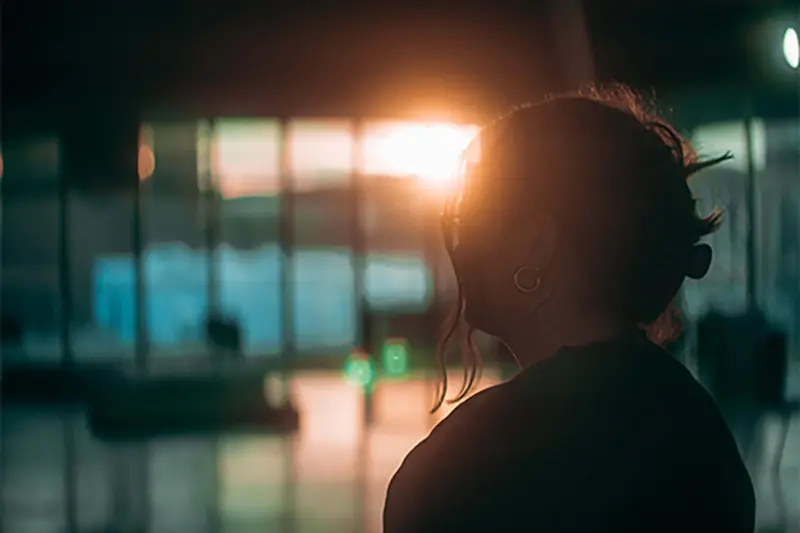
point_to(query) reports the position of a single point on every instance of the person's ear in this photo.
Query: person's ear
(699, 261)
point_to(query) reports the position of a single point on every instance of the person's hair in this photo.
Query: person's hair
(657, 148)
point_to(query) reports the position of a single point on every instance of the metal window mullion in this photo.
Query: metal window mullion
(286, 221)
(64, 271)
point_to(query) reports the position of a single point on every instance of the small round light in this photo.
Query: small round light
(791, 47)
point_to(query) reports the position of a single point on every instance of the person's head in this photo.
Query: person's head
(575, 221)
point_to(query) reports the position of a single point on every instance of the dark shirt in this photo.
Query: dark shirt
(616, 436)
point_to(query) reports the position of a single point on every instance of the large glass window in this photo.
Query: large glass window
(320, 153)
(725, 187)
(245, 168)
(320, 163)
(102, 274)
(399, 215)
(779, 235)
(246, 157)
(174, 260)
(31, 296)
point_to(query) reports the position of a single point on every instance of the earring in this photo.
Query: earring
(526, 289)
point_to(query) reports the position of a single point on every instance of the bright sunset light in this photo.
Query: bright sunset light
(245, 153)
(427, 151)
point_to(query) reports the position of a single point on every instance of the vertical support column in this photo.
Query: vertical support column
(286, 241)
(100, 141)
(64, 271)
(286, 238)
(751, 192)
(70, 471)
(210, 199)
(363, 334)
(142, 348)
(432, 254)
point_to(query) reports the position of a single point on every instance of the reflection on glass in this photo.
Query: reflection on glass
(427, 151)
(327, 453)
(320, 153)
(245, 157)
(324, 306)
(181, 486)
(252, 478)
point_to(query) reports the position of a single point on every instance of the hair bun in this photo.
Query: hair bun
(698, 261)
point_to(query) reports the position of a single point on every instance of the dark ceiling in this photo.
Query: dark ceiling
(312, 58)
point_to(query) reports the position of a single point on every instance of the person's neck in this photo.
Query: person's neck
(537, 342)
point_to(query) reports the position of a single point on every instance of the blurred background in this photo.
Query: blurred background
(222, 280)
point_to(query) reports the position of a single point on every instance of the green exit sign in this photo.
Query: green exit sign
(359, 369)
(394, 356)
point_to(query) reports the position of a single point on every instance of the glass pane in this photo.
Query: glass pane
(402, 234)
(248, 259)
(246, 157)
(31, 295)
(320, 153)
(34, 463)
(102, 275)
(322, 278)
(396, 214)
(724, 187)
(397, 283)
(324, 306)
(779, 221)
(181, 487)
(250, 293)
(176, 267)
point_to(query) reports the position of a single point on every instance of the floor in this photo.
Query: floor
(330, 477)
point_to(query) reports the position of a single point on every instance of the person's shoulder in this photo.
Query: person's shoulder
(707, 448)
(465, 433)
(456, 463)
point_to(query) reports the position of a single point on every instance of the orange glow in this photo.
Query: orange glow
(245, 154)
(429, 152)
(320, 153)
(146, 161)
(245, 157)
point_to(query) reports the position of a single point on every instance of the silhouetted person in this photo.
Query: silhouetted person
(575, 227)
(224, 338)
